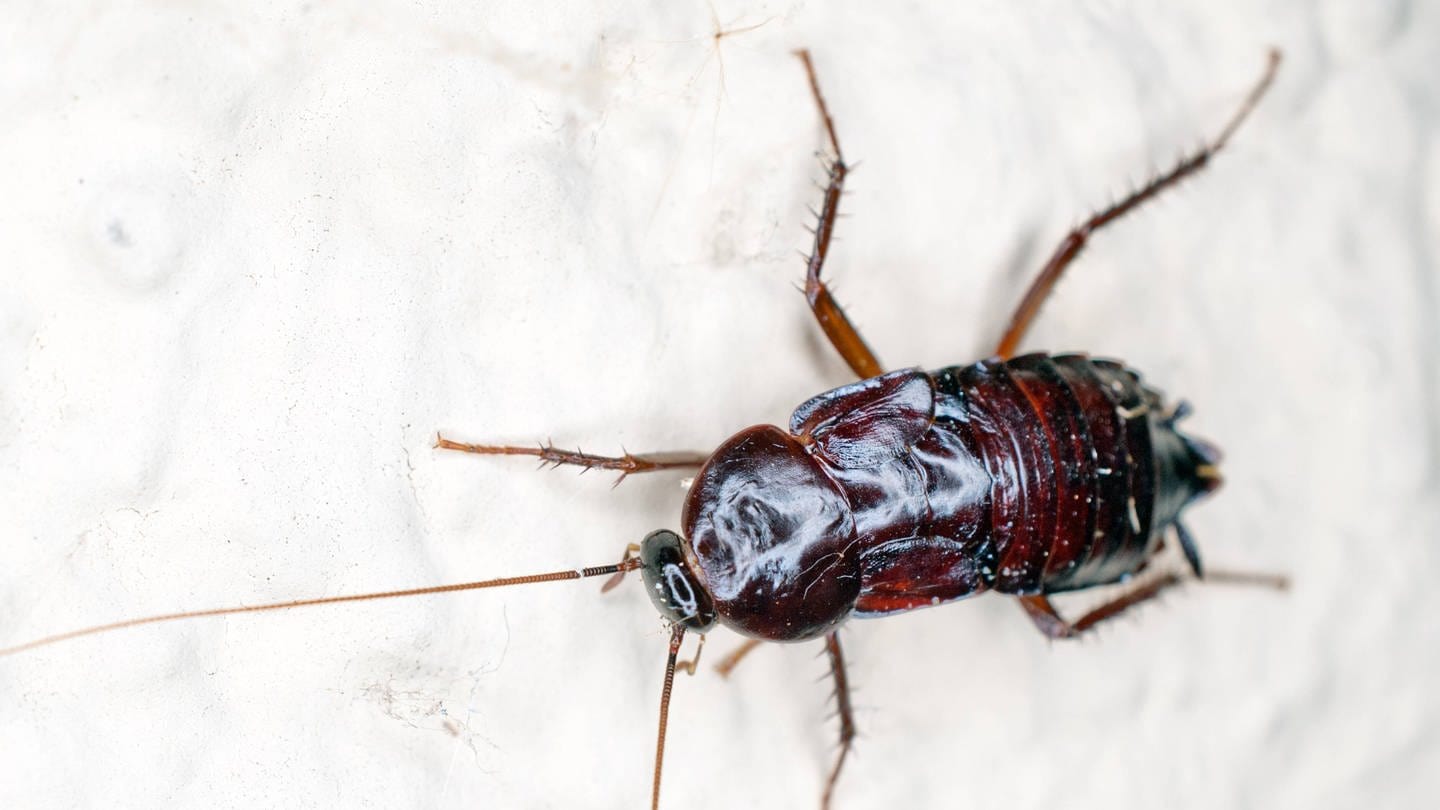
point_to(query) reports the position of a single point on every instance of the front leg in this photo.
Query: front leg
(627, 464)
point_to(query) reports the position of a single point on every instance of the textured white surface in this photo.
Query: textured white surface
(256, 255)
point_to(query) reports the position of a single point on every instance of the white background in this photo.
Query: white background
(255, 255)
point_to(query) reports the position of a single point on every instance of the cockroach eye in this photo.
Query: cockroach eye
(673, 587)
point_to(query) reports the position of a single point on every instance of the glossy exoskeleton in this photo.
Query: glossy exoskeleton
(1022, 475)
(1028, 476)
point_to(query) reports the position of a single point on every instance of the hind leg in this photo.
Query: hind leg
(1074, 242)
(1049, 621)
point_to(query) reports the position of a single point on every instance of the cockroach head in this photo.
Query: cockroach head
(673, 587)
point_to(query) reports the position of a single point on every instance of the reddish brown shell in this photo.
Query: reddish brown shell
(1036, 475)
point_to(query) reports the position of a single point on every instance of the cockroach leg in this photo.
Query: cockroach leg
(1074, 242)
(688, 667)
(631, 552)
(832, 319)
(843, 709)
(729, 662)
(627, 464)
(1048, 621)
(1277, 582)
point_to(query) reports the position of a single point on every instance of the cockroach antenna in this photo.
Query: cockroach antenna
(1022, 475)
(633, 559)
(627, 563)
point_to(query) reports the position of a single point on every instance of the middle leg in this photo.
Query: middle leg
(832, 319)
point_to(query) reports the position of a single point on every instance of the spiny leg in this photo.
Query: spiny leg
(1075, 241)
(837, 327)
(842, 709)
(1048, 621)
(626, 465)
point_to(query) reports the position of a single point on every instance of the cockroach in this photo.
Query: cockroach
(1026, 475)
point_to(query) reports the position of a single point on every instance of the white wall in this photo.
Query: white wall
(256, 255)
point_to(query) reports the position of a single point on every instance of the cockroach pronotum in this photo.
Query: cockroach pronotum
(1024, 475)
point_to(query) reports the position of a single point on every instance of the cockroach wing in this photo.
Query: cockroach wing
(915, 572)
(867, 422)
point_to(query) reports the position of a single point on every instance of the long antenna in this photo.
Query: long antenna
(627, 564)
(677, 634)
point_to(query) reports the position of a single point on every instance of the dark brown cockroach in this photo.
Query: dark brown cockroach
(1025, 475)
